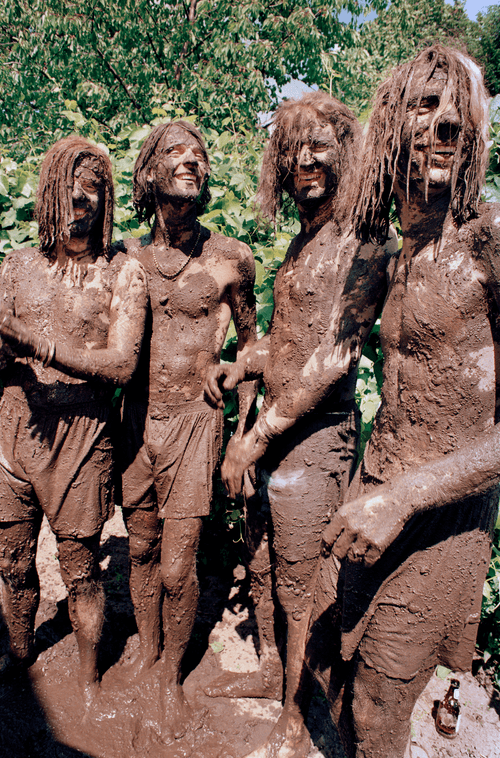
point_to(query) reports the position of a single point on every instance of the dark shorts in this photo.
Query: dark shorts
(307, 472)
(169, 455)
(59, 460)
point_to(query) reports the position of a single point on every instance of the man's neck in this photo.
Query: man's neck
(179, 218)
(314, 214)
(75, 248)
(423, 222)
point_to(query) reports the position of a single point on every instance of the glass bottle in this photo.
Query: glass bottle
(448, 712)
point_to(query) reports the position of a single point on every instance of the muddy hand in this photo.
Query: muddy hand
(22, 339)
(364, 528)
(240, 455)
(221, 376)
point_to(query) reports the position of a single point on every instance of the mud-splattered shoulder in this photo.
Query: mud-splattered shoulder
(17, 261)
(135, 246)
(234, 251)
(125, 270)
(484, 232)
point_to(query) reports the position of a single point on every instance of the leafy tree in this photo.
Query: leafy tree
(121, 62)
(485, 46)
(353, 73)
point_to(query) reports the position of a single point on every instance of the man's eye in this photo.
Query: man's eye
(428, 104)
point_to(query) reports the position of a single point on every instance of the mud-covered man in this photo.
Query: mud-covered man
(72, 318)
(197, 281)
(418, 546)
(327, 294)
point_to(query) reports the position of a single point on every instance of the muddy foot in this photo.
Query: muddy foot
(289, 739)
(141, 663)
(90, 694)
(177, 714)
(266, 683)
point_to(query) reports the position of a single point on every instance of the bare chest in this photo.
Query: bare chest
(436, 303)
(70, 304)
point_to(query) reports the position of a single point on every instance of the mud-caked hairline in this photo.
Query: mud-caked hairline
(143, 191)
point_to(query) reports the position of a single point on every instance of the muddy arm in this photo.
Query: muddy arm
(365, 527)
(114, 364)
(244, 313)
(355, 308)
(6, 304)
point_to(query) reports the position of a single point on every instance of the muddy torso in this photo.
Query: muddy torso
(189, 318)
(326, 284)
(439, 336)
(69, 305)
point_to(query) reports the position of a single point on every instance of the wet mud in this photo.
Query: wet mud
(41, 712)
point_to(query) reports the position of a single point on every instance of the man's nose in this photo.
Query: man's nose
(190, 157)
(448, 125)
(305, 157)
(78, 192)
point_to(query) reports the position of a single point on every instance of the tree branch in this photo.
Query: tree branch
(120, 81)
(191, 19)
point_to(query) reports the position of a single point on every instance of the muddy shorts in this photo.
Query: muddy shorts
(420, 604)
(169, 455)
(58, 460)
(307, 472)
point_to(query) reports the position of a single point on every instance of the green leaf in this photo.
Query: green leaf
(217, 646)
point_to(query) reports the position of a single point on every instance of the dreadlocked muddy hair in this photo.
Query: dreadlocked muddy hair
(54, 204)
(465, 90)
(292, 122)
(144, 194)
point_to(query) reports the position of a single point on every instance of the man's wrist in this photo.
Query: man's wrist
(263, 431)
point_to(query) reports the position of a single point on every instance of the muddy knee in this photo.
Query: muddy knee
(142, 550)
(179, 574)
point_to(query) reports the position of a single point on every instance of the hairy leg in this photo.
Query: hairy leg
(290, 737)
(144, 530)
(268, 680)
(178, 570)
(79, 562)
(375, 718)
(20, 592)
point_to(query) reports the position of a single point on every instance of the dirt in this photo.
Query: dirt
(42, 713)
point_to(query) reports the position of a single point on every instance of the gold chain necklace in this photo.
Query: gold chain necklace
(172, 276)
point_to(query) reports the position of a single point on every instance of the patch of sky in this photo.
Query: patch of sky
(473, 7)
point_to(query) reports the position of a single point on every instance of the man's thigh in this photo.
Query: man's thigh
(307, 483)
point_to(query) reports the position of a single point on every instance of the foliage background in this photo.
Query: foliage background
(111, 71)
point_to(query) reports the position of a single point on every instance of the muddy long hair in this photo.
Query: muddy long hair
(54, 204)
(144, 191)
(465, 89)
(291, 121)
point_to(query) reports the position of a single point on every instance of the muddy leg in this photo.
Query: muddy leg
(80, 571)
(178, 570)
(144, 530)
(290, 737)
(268, 680)
(375, 720)
(20, 591)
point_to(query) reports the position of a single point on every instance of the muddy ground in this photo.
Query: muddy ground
(41, 713)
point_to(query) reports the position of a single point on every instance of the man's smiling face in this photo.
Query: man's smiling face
(181, 168)
(314, 176)
(436, 123)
